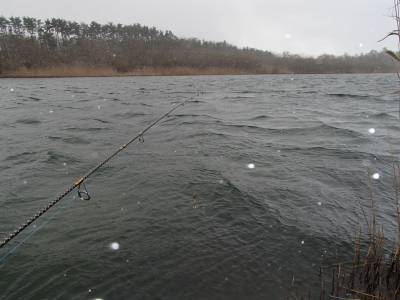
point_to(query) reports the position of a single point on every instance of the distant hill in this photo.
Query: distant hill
(56, 47)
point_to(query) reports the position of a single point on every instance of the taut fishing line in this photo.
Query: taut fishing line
(78, 184)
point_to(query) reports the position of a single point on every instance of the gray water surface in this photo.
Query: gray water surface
(189, 217)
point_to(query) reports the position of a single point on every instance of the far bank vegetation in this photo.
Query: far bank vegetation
(56, 47)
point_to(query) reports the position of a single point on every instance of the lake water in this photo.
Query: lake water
(240, 194)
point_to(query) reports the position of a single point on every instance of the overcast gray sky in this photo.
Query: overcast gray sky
(308, 27)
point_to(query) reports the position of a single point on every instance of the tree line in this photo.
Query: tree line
(29, 43)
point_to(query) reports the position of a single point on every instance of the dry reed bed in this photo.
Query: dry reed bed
(83, 71)
(372, 274)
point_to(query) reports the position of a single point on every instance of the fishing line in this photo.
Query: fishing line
(79, 183)
(12, 251)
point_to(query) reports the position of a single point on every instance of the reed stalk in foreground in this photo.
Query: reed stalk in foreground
(372, 274)
(395, 33)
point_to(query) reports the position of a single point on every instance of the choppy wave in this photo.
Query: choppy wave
(21, 157)
(56, 157)
(29, 121)
(239, 97)
(224, 191)
(34, 98)
(73, 140)
(196, 101)
(346, 95)
(129, 115)
(86, 129)
(196, 116)
(218, 135)
(260, 117)
(77, 92)
(332, 152)
(384, 115)
(320, 130)
(101, 121)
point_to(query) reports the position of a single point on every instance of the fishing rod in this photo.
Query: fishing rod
(84, 194)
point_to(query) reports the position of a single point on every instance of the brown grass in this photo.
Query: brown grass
(84, 71)
(371, 274)
(62, 71)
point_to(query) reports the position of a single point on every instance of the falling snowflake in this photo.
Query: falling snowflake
(371, 130)
(251, 166)
(114, 246)
(11, 90)
(51, 111)
(319, 203)
(376, 176)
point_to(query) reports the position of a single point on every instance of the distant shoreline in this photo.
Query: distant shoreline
(78, 71)
(72, 72)
(52, 48)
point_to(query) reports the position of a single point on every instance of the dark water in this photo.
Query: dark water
(191, 219)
